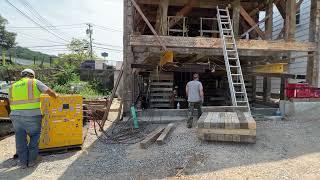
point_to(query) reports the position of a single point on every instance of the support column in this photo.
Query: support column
(282, 88)
(128, 59)
(314, 36)
(269, 21)
(236, 16)
(162, 18)
(266, 89)
(290, 21)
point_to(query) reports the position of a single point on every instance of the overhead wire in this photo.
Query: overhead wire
(40, 18)
(28, 17)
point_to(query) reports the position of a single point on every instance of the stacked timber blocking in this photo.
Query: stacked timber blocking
(161, 87)
(227, 126)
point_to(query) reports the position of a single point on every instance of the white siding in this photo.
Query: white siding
(297, 66)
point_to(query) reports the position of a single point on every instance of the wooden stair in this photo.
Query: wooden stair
(227, 126)
(161, 87)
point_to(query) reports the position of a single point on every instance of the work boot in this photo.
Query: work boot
(35, 162)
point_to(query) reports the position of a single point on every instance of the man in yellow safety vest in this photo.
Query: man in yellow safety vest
(26, 116)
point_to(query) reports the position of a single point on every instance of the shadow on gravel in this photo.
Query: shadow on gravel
(12, 169)
(184, 154)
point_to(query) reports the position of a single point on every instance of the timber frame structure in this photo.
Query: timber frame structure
(189, 29)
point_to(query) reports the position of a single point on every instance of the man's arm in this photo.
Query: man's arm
(201, 92)
(187, 90)
(51, 93)
(45, 89)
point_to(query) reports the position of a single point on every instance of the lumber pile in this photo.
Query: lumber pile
(159, 135)
(227, 126)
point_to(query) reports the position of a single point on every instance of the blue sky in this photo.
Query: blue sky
(105, 15)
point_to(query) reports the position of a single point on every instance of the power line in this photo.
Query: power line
(102, 44)
(107, 28)
(65, 25)
(32, 37)
(34, 21)
(111, 49)
(39, 17)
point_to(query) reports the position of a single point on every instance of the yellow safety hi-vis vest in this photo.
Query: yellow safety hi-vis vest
(24, 95)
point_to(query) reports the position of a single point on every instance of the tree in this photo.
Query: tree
(79, 53)
(7, 39)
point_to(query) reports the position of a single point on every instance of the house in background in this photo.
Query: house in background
(189, 28)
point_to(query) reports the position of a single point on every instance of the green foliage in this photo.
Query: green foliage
(25, 53)
(79, 53)
(7, 39)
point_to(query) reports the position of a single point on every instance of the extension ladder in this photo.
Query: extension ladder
(235, 77)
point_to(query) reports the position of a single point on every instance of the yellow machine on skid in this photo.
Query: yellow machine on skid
(62, 122)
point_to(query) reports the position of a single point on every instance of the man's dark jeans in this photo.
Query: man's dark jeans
(23, 126)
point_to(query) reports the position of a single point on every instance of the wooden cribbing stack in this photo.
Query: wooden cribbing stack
(227, 126)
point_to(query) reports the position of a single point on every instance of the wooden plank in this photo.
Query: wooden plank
(251, 22)
(269, 21)
(215, 43)
(208, 120)
(251, 122)
(151, 138)
(248, 132)
(215, 119)
(223, 108)
(200, 122)
(165, 134)
(160, 94)
(290, 21)
(161, 83)
(236, 16)
(242, 120)
(160, 89)
(159, 100)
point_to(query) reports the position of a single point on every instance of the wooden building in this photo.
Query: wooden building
(189, 28)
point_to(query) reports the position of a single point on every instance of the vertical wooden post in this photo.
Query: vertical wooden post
(290, 21)
(162, 17)
(128, 59)
(282, 88)
(236, 16)
(254, 88)
(269, 21)
(266, 89)
(310, 68)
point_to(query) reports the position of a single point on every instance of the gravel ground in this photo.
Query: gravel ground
(284, 150)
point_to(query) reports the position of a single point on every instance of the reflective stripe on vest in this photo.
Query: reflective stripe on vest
(24, 94)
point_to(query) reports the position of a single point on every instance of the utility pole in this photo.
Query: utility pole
(89, 32)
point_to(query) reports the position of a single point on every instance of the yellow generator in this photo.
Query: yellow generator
(62, 122)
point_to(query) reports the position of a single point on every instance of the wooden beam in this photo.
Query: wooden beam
(162, 17)
(165, 134)
(290, 21)
(236, 17)
(280, 4)
(266, 89)
(215, 43)
(199, 4)
(269, 21)
(282, 88)
(151, 138)
(137, 7)
(251, 22)
(183, 12)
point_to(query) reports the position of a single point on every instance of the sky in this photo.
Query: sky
(69, 18)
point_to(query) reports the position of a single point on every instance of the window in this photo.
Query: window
(298, 13)
(298, 17)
